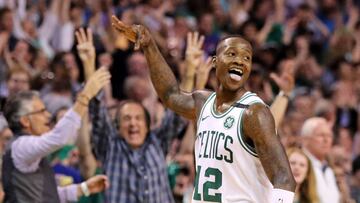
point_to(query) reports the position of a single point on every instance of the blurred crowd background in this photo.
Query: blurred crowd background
(318, 39)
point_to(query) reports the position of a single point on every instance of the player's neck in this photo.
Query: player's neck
(224, 99)
(229, 97)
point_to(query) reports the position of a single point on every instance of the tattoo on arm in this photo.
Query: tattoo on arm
(166, 84)
(259, 126)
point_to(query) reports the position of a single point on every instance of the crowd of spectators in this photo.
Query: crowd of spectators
(313, 43)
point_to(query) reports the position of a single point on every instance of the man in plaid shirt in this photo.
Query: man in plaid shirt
(132, 156)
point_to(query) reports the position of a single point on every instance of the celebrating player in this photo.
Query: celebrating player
(239, 157)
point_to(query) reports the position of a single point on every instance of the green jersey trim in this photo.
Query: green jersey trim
(221, 115)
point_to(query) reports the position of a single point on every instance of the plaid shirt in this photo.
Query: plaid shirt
(135, 176)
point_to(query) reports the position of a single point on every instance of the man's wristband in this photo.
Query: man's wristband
(85, 189)
(282, 196)
(282, 94)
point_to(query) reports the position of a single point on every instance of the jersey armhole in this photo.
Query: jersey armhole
(203, 107)
(250, 149)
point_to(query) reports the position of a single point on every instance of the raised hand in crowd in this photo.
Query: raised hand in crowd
(265, 30)
(238, 11)
(202, 73)
(289, 29)
(354, 15)
(193, 58)
(95, 83)
(87, 160)
(194, 52)
(285, 79)
(86, 50)
(286, 82)
(87, 54)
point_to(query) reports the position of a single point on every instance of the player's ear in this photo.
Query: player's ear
(213, 61)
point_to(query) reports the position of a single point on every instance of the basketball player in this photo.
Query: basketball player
(239, 157)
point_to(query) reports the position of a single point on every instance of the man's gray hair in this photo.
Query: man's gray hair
(17, 106)
(310, 125)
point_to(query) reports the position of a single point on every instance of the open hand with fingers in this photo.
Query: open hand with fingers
(85, 46)
(135, 33)
(194, 52)
(86, 50)
(285, 80)
(193, 57)
(96, 82)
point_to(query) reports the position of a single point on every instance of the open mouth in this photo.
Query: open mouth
(133, 133)
(236, 74)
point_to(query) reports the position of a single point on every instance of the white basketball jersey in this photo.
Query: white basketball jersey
(227, 169)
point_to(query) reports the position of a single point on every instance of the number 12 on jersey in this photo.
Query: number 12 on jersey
(216, 184)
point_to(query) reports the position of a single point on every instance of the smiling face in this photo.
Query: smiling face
(36, 122)
(233, 63)
(132, 126)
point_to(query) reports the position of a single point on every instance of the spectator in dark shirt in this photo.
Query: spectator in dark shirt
(132, 156)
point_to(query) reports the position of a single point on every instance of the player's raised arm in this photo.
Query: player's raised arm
(162, 76)
(259, 126)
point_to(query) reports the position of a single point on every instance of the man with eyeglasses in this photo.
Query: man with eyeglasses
(27, 175)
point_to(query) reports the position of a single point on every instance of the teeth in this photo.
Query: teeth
(237, 70)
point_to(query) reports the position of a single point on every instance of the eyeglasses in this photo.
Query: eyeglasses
(36, 112)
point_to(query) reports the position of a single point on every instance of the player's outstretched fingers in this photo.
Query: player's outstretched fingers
(123, 28)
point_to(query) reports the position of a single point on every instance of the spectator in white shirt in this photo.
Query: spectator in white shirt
(317, 142)
(27, 176)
